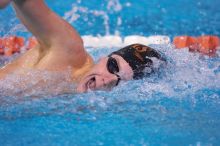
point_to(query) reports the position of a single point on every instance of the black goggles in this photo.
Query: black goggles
(112, 67)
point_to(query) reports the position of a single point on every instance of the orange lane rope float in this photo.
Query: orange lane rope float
(14, 44)
(204, 44)
(11, 45)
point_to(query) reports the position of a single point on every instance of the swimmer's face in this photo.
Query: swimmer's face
(106, 74)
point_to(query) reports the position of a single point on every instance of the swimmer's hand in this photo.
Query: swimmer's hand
(4, 3)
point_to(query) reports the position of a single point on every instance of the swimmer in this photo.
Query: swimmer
(61, 47)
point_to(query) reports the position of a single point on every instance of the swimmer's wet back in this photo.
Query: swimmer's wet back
(140, 58)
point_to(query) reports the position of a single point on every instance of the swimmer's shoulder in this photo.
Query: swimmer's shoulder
(25, 61)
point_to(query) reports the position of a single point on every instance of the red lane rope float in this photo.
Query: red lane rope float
(184, 41)
(13, 44)
(206, 45)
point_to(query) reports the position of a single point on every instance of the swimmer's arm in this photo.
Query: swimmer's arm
(4, 3)
(49, 29)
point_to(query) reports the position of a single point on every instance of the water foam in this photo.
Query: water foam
(36, 83)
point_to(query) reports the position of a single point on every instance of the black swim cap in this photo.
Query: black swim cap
(140, 58)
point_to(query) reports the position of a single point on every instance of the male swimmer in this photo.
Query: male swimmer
(61, 47)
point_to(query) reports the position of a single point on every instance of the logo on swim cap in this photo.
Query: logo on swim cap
(139, 57)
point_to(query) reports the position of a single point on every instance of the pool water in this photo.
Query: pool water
(178, 105)
(129, 17)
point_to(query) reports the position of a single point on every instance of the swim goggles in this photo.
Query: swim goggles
(112, 67)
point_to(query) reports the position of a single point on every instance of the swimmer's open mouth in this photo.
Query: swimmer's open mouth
(91, 84)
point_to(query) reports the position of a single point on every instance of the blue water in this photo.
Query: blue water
(179, 105)
(139, 17)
